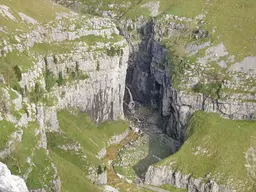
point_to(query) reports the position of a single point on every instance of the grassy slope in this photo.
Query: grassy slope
(43, 12)
(72, 178)
(42, 172)
(231, 19)
(6, 129)
(217, 146)
(79, 128)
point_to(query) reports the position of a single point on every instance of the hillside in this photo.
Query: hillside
(90, 91)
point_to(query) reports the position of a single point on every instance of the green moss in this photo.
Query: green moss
(113, 51)
(217, 146)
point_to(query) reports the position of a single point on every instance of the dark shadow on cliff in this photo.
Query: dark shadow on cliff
(147, 91)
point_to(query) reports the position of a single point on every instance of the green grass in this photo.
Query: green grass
(55, 140)
(126, 171)
(230, 18)
(95, 7)
(42, 174)
(78, 129)
(6, 129)
(72, 178)
(172, 189)
(43, 11)
(17, 162)
(217, 146)
(13, 61)
(53, 48)
(81, 128)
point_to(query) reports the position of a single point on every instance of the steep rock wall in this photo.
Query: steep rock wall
(153, 74)
(71, 61)
(159, 176)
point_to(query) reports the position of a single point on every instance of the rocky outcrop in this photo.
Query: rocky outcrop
(178, 105)
(71, 61)
(165, 176)
(116, 139)
(152, 71)
(9, 182)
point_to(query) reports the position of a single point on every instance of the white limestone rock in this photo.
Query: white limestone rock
(108, 188)
(9, 182)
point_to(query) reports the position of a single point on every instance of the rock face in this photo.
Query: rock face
(163, 175)
(152, 77)
(65, 61)
(9, 182)
(74, 61)
(152, 80)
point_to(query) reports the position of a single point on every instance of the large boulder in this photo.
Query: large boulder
(9, 182)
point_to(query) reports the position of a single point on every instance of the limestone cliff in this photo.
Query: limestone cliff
(55, 60)
(172, 58)
(177, 67)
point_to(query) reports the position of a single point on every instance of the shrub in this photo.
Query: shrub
(210, 89)
(17, 72)
(114, 51)
(50, 81)
(61, 80)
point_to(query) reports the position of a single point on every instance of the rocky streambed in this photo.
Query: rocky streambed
(151, 145)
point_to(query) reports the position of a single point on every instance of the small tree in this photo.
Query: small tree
(17, 72)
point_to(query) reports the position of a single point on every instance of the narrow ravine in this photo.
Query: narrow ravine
(145, 145)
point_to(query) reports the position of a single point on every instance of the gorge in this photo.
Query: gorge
(74, 82)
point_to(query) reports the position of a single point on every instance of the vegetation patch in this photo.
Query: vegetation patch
(72, 178)
(17, 162)
(13, 64)
(42, 174)
(86, 133)
(172, 189)
(6, 129)
(77, 147)
(217, 147)
(26, 156)
(229, 27)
